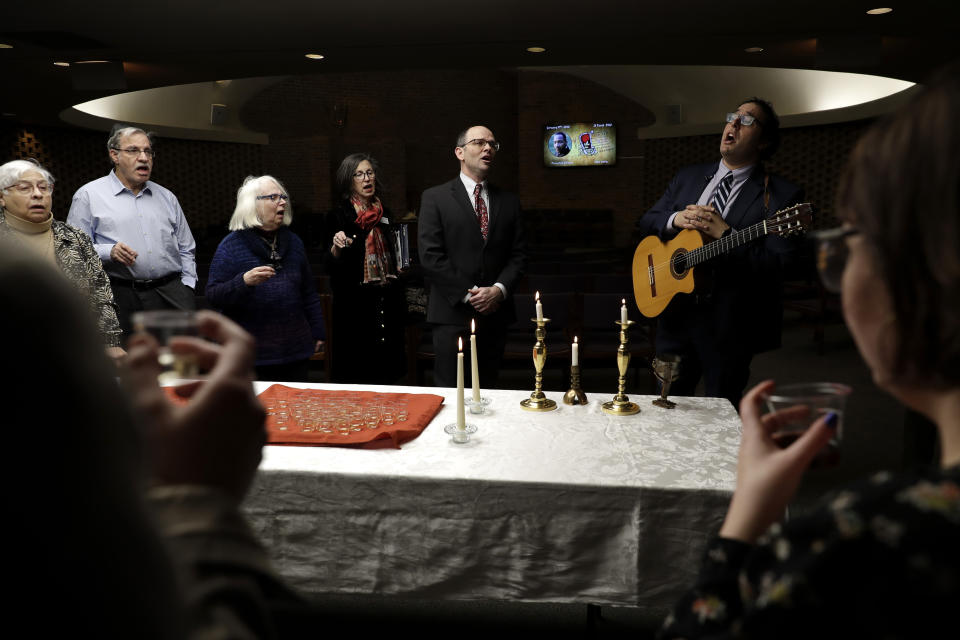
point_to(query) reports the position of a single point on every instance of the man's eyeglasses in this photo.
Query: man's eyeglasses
(481, 143)
(26, 188)
(273, 197)
(135, 152)
(360, 175)
(746, 119)
(832, 254)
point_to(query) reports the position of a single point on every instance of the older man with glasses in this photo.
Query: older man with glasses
(736, 309)
(470, 237)
(138, 230)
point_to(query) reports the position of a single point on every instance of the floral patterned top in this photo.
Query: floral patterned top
(880, 559)
(79, 261)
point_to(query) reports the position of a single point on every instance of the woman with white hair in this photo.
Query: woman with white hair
(26, 200)
(260, 277)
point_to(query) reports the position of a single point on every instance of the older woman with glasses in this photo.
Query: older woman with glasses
(260, 277)
(369, 304)
(881, 558)
(26, 200)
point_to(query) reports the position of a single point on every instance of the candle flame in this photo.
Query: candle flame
(460, 344)
(473, 326)
(623, 301)
(574, 339)
(538, 296)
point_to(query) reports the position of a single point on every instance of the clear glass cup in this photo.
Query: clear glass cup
(164, 325)
(819, 399)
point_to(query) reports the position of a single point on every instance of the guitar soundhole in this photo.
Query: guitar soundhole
(678, 264)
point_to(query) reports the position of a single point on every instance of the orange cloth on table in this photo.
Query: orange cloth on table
(421, 409)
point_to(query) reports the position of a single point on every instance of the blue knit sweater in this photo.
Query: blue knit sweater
(283, 313)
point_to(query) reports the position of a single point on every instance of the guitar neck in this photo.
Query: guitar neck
(726, 243)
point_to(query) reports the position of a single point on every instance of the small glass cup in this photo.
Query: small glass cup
(819, 398)
(164, 325)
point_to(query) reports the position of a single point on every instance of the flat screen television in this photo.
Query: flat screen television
(580, 144)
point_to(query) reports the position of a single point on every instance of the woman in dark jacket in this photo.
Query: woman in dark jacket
(369, 303)
(260, 277)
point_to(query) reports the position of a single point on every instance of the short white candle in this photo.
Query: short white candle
(474, 367)
(539, 308)
(623, 311)
(461, 420)
(576, 352)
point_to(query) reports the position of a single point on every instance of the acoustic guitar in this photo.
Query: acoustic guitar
(661, 271)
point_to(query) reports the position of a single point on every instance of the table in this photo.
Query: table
(568, 506)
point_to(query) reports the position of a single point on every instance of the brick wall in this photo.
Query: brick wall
(409, 120)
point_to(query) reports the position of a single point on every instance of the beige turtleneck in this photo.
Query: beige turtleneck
(37, 236)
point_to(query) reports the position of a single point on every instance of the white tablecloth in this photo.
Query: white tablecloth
(566, 506)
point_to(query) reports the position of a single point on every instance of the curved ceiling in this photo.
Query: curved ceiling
(686, 100)
(181, 42)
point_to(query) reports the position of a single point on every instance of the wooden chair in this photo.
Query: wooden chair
(558, 283)
(325, 356)
(600, 337)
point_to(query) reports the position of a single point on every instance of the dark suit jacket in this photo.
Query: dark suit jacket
(743, 287)
(455, 257)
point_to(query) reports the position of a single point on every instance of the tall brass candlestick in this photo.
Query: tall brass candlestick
(621, 405)
(537, 400)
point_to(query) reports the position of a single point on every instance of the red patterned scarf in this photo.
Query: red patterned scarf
(377, 266)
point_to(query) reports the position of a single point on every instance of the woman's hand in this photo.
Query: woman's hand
(768, 476)
(340, 241)
(258, 275)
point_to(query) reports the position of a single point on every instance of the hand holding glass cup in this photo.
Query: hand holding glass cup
(165, 325)
(800, 405)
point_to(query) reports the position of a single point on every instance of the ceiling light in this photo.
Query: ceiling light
(753, 49)
(536, 49)
(315, 56)
(62, 64)
(5, 46)
(881, 10)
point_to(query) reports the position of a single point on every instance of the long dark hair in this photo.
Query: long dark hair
(349, 167)
(901, 189)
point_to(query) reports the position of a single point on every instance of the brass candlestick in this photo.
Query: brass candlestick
(666, 367)
(621, 405)
(537, 401)
(575, 394)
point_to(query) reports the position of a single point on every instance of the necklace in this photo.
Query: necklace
(274, 259)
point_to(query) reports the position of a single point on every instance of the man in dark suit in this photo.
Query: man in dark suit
(470, 239)
(736, 309)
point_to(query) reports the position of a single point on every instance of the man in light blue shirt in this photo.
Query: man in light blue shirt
(139, 231)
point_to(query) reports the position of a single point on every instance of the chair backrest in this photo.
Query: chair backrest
(558, 283)
(618, 283)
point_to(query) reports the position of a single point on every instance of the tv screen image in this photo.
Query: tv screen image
(580, 144)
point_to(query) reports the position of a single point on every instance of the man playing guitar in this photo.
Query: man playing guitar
(736, 310)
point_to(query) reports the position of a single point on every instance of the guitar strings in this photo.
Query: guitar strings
(776, 219)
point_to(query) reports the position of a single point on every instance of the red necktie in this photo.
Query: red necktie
(481, 208)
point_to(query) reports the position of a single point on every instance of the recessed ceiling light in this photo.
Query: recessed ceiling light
(536, 49)
(5, 46)
(315, 56)
(877, 12)
(753, 49)
(62, 64)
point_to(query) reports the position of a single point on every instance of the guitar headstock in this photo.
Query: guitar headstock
(790, 221)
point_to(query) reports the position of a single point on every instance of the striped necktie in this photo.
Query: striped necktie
(723, 193)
